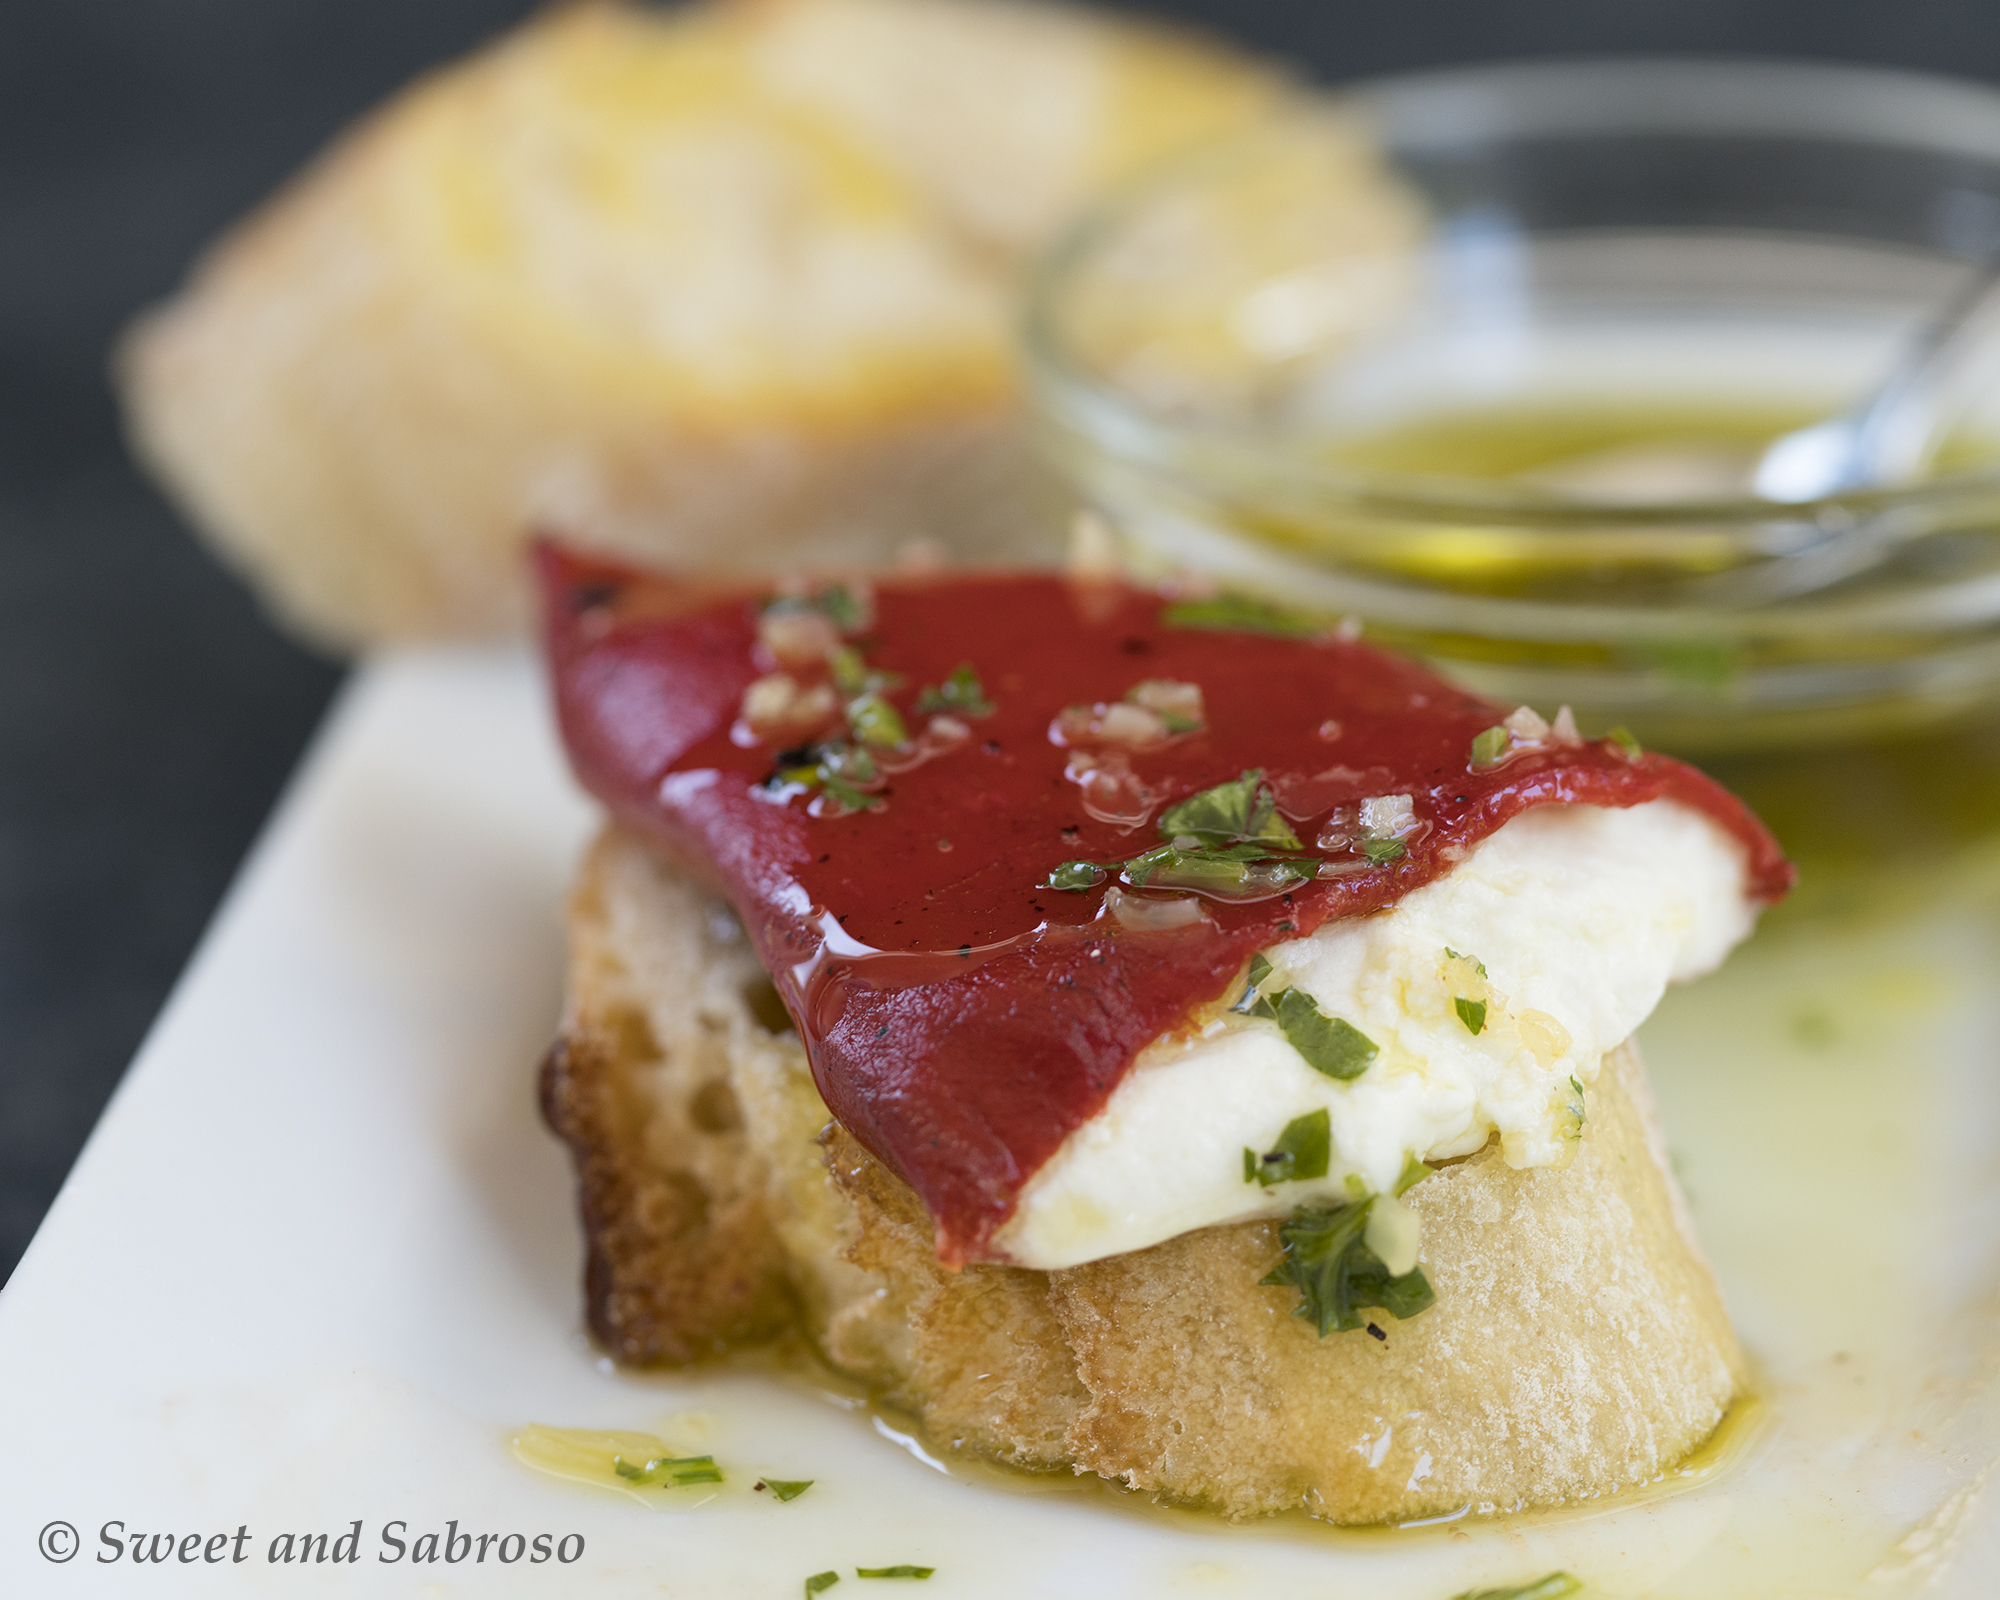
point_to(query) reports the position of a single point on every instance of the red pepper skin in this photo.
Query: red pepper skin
(961, 1019)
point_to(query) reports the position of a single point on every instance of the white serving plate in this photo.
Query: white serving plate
(319, 1259)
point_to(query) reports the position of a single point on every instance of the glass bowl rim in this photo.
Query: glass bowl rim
(1837, 102)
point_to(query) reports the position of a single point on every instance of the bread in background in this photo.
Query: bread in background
(724, 287)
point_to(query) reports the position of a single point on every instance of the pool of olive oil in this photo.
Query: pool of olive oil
(1580, 447)
(1552, 443)
(1573, 459)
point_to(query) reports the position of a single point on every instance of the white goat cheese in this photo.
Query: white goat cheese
(1580, 917)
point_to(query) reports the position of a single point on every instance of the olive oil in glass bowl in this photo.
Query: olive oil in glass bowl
(1486, 360)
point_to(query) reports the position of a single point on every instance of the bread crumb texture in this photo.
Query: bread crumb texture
(1577, 1346)
(720, 286)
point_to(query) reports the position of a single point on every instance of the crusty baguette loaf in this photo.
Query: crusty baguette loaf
(1577, 1344)
(721, 287)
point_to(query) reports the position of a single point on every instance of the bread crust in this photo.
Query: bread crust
(681, 1258)
(1577, 1346)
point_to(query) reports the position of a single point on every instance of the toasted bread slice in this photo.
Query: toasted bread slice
(663, 1019)
(1577, 1345)
(702, 1152)
(723, 287)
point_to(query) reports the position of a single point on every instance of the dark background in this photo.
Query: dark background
(148, 714)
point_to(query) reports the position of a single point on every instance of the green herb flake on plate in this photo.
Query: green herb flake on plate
(786, 1488)
(1554, 1587)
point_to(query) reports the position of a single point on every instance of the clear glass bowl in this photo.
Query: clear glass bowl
(1232, 359)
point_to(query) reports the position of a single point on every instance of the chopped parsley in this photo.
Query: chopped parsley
(1380, 852)
(1225, 871)
(870, 716)
(1241, 811)
(1235, 613)
(1573, 1112)
(1472, 1013)
(1489, 747)
(850, 612)
(786, 1488)
(668, 1472)
(820, 1581)
(1327, 1260)
(1628, 746)
(962, 694)
(837, 770)
(1302, 1152)
(894, 1572)
(1330, 1044)
(1553, 1587)
(853, 675)
(1227, 842)
(876, 722)
(1075, 875)
(845, 797)
(849, 672)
